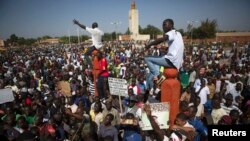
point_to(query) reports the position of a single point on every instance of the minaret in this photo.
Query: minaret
(133, 20)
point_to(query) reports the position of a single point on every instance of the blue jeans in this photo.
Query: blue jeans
(88, 53)
(100, 86)
(154, 63)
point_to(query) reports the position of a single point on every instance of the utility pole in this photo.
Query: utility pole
(192, 24)
(78, 36)
(116, 24)
(69, 37)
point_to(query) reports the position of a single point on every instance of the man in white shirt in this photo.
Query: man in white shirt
(122, 72)
(174, 57)
(192, 77)
(235, 89)
(202, 91)
(128, 53)
(217, 112)
(96, 36)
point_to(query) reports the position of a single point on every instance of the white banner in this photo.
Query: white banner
(118, 86)
(160, 112)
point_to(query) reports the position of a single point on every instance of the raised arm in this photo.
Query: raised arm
(80, 25)
(157, 41)
(154, 125)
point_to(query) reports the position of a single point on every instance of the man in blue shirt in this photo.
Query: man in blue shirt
(200, 128)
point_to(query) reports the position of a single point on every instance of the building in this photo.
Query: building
(50, 41)
(233, 36)
(1, 42)
(224, 37)
(134, 26)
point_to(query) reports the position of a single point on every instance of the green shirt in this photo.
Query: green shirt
(184, 76)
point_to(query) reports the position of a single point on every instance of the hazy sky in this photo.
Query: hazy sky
(34, 18)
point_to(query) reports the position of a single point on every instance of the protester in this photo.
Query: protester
(51, 112)
(174, 57)
(96, 35)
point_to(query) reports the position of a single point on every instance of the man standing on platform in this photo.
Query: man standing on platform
(174, 56)
(96, 36)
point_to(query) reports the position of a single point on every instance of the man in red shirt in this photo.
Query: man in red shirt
(102, 76)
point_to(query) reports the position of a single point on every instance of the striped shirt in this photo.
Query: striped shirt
(228, 109)
(91, 88)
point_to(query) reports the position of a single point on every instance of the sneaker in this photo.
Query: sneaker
(159, 81)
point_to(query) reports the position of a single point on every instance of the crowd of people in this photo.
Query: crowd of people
(215, 90)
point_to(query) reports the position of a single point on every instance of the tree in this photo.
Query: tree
(197, 33)
(84, 37)
(181, 31)
(30, 41)
(113, 35)
(46, 37)
(64, 39)
(140, 30)
(128, 32)
(152, 31)
(208, 28)
(107, 37)
(13, 39)
(21, 41)
(74, 39)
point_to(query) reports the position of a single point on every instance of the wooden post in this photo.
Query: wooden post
(120, 103)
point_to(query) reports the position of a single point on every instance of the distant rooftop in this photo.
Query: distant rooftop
(223, 34)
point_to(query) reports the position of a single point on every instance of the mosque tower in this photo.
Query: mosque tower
(133, 20)
(134, 24)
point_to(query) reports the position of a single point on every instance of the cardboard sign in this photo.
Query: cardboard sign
(6, 95)
(64, 88)
(160, 111)
(118, 86)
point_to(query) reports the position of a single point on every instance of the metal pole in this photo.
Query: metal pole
(192, 23)
(69, 38)
(116, 24)
(116, 32)
(191, 36)
(78, 36)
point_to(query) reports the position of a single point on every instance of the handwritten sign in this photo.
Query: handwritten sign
(160, 112)
(118, 86)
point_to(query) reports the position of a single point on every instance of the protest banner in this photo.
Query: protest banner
(118, 86)
(6, 95)
(160, 112)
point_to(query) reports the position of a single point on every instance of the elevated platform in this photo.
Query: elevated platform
(170, 92)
